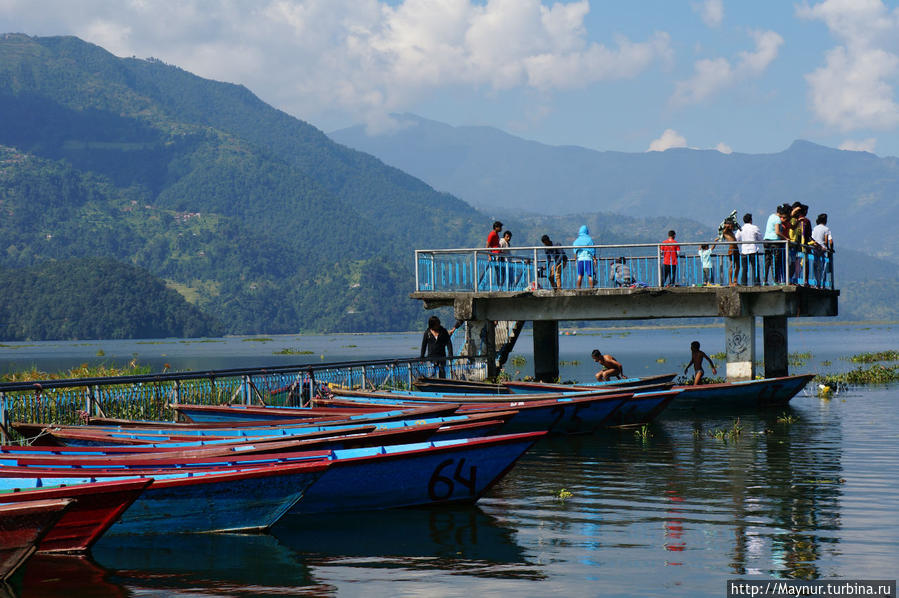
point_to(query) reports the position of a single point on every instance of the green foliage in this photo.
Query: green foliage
(890, 355)
(94, 298)
(876, 374)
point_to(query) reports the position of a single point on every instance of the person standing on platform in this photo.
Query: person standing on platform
(437, 345)
(555, 260)
(770, 249)
(585, 255)
(749, 250)
(733, 251)
(670, 249)
(823, 250)
(493, 244)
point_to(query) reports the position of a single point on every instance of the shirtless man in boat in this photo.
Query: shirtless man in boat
(611, 366)
(696, 360)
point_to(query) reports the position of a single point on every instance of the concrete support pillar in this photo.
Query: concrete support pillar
(480, 339)
(775, 343)
(739, 339)
(546, 350)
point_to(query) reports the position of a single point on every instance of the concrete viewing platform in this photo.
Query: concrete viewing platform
(519, 297)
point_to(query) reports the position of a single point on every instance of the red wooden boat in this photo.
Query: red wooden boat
(22, 526)
(97, 506)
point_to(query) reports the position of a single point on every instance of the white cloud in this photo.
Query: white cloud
(365, 58)
(855, 87)
(670, 138)
(724, 148)
(860, 145)
(711, 12)
(711, 76)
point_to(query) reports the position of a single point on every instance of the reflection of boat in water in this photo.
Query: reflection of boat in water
(446, 538)
(212, 561)
(67, 575)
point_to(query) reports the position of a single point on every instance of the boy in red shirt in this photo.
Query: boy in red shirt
(670, 249)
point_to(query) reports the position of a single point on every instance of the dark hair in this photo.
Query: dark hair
(784, 208)
(671, 233)
(596, 353)
(497, 224)
(694, 345)
(821, 219)
(508, 232)
(747, 218)
(545, 240)
(433, 323)
(704, 246)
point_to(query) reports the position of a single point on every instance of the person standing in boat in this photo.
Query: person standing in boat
(696, 358)
(611, 366)
(437, 345)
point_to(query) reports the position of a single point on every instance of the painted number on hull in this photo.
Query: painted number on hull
(441, 487)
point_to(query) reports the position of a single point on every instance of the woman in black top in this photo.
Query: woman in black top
(436, 343)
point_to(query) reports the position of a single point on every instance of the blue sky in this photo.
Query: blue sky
(741, 76)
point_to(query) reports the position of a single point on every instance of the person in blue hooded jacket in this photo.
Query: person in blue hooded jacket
(585, 256)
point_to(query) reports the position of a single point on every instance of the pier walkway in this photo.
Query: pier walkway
(485, 286)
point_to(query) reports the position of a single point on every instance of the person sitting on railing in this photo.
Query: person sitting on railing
(437, 344)
(620, 273)
(823, 249)
(585, 255)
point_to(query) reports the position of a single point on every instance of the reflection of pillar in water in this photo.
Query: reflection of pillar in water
(674, 527)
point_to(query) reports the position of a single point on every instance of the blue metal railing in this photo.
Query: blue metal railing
(527, 268)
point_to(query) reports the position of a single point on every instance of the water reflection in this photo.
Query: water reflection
(460, 540)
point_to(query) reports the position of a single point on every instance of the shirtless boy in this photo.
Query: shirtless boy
(696, 361)
(610, 365)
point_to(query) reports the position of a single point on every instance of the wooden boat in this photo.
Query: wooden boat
(568, 414)
(104, 435)
(245, 499)
(767, 392)
(22, 527)
(643, 407)
(514, 387)
(95, 508)
(299, 415)
(367, 478)
(255, 415)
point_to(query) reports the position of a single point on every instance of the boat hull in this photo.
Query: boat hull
(22, 526)
(751, 394)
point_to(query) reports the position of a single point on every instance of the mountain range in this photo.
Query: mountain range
(264, 224)
(493, 170)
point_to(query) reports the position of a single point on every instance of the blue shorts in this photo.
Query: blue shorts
(585, 267)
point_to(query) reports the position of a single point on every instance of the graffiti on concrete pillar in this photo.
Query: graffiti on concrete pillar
(738, 343)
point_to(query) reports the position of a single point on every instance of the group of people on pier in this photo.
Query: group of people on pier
(789, 251)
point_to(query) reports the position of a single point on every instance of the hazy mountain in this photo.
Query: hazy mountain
(491, 170)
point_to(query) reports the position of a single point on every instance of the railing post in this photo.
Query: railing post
(89, 403)
(3, 417)
(536, 271)
(659, 266)
(409, 372)
(417, 266)
(177, 392)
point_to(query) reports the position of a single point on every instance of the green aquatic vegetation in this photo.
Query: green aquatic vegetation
(734, 432)
(661, 360)
(798, 359)
(564, 493)
(876, 374)
(350, 346)
(258, 339)
(643, 433)
(82, 371)
(289, 351)
(203, 340)
(519, 361)
(100, 352)
(787, 418)
(826, 363)
(572, 362)
(874, 357)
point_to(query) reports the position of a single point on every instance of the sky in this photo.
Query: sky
(643, 75)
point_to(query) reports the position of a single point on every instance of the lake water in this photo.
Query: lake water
(676, 514)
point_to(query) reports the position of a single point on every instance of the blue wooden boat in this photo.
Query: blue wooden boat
(643, 407)
(574, 413)
(767, 392)
(447, 385)
(245, 415)
(195, 501)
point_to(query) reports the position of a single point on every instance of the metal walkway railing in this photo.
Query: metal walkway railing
(530, 268)
(148, 396)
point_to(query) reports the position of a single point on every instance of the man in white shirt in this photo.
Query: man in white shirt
(749, 251)
(823, 251)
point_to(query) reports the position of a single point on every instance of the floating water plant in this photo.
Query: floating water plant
(734, 432)
(875, 374)
(642, 433)
(289, 351)
(787, 418)
(259, 339)
(519, 361)
(564, 493)
(875, 357)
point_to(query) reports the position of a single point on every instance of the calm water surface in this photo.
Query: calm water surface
(672, 515)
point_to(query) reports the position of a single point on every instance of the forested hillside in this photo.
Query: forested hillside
(94, 298)
(254, 215)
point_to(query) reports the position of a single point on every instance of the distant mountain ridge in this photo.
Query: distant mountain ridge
(490, 169)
